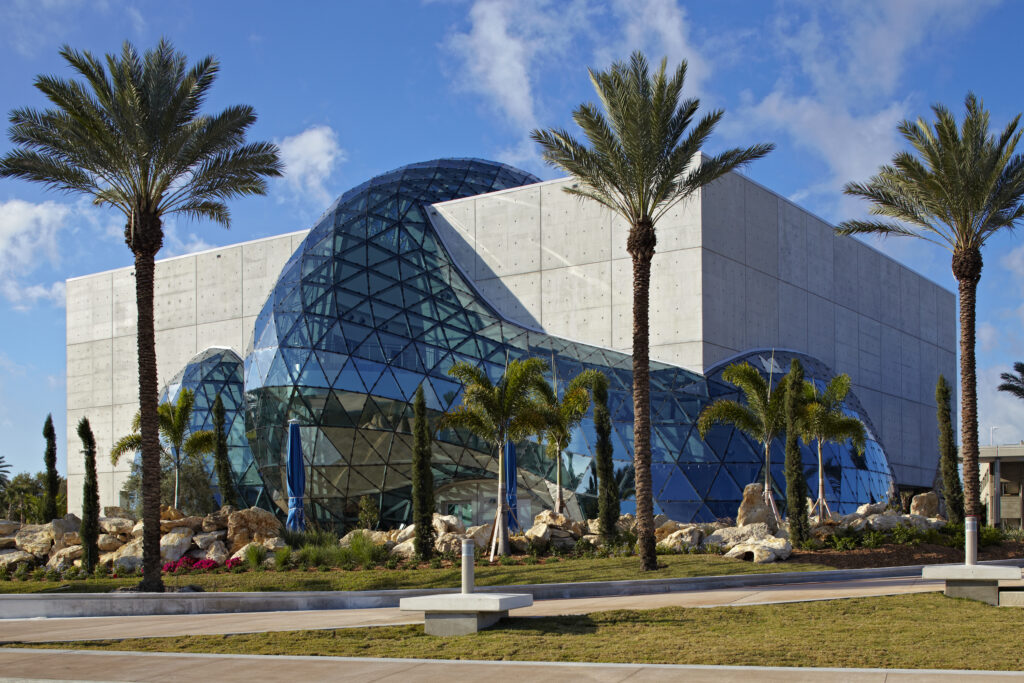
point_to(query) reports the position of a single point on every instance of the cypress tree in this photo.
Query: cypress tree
(89, 531)
(422, 479)
(608, 490)
(952, 490)
(796, 484)
(52, 480)
(225, 482)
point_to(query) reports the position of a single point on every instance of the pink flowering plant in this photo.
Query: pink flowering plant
(187, 563)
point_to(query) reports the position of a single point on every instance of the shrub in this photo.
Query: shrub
(254, 556)
(531, 559)
(369, 513)
(38, 574)
(838, 542)
(504, 560)
(435, 563)
(584, 548)
(52, 575)
(21, 572)
(873, 539)
(990, 535)
(392, 562)
(904, 535)
(5, 574)
(100, 571)
(365, 552)
(299, 539)
(282, 558)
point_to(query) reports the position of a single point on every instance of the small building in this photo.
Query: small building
(1001, 470)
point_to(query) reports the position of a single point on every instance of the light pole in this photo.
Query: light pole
(991, 433)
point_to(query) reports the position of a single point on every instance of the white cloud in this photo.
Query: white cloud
(310, 158)
(998, 409)
(988, 336)
(659, 28)
(28, 239)
(178, 245)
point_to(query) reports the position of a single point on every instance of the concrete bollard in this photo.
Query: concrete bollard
(467, 565)
(971, 540)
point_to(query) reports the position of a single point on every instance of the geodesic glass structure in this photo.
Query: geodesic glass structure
(371, 306)
(219, 371)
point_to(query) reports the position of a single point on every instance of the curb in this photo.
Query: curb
(64, 605)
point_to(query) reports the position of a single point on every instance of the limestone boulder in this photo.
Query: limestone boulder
(925, 504)
(65, 531)
(660, 519)
(882, 522)
(627, 522)
(762, 551)
(936, 522)
(518, 544)
(9, 527)
(561, 539)
(593, 526)
(128, 556)
(175, 543)
(274, 544)
(868, 509)
(108, 543)
(240, 553)
(916, 521)
(251, 525)
(137, 530)
(194, 523)
(405, 534)
(36, 539)
(551, 518)
(731, 536)
(118, 512)
(448, 543)
(539, 535)
(215, 521)
(406, 549)
(8, 542)
(689, 536)
(445, 524)
(64, 558)
(170, 512)
(217, 552)
(11, 557)
(481, 535)
(204, 541)
(753, 509)
(667, 529)
(116, 525)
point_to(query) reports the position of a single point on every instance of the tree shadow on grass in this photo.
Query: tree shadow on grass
(567, 625)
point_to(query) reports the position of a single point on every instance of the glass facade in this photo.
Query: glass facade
(371, 306)
(219, 371)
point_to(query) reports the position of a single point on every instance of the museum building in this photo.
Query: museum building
(470, 260)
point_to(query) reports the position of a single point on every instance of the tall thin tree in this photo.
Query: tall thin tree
(952, 490)
(129, 134)
(89, 531)
(641, 161)
(957, 187)
(796, 484)
(762, 417)
(52, 480)
(225, 480)
(608, 488)
(1013, 382)
(564, 415)
(422, 478)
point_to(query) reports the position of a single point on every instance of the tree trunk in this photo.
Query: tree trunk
(144, 237)
(501, 519)
(769, 495)
(967, 269)
(558, 483)
(177, 477)
(640, 246)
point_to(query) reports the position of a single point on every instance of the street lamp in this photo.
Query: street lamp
(991, 432)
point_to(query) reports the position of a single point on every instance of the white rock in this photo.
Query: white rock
(175, 543)
(916, 521)
(539, 534)
(274, 544)
(204, 541)
(687, 537)
(481, 535)
(753, 509)
(448, 543)
(240, 553)
(9, 558)
(9, 527)
(128, 556)
(36, 539)
(551, 518)
(108, 543)
(217, 552)
(879, 522)
(444, 524)
(137, 530)
(925, 504)
(63, 558)
(116, 525)
(406, 548)
(731, 536)
(868, 509)
(8, 542)
(405, 534)
(762, 551)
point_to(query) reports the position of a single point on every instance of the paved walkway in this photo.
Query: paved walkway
(96, 628)
(71, 665)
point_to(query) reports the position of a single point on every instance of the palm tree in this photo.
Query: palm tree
(178, 439)
(762, 417)
(823, 421)
(955, 188)
(130, 135)
(564, 415)
(1013, 383)
(5, 472)
(511, 410)
(642, 160)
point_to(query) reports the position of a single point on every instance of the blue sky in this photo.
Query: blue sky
(351, 89)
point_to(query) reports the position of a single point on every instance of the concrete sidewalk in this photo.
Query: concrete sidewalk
(73, 665)
(98, 628)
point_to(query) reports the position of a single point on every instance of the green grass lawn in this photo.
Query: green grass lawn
(567, 570)
(925, 630)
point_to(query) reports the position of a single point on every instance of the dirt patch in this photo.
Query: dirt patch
(902, 555)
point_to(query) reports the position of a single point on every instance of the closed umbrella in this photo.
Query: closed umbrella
(296, 472)
(510, 479)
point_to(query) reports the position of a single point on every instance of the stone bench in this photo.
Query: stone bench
(976, 582)
(460, 614)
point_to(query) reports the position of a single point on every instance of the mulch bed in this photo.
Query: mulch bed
(902, 555)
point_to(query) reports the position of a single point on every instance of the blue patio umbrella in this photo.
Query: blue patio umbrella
(296, 472)
(510, 486)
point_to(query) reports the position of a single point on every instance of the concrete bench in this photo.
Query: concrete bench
(976, 582)
(460, 614)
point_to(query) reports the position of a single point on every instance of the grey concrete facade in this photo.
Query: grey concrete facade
(737, 267)
(205, 299)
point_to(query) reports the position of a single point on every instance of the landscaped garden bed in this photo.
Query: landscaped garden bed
(892, 632)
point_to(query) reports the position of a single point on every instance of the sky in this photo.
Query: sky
(352, 89)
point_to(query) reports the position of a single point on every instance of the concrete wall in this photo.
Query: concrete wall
(736, 268)
(205, 299)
